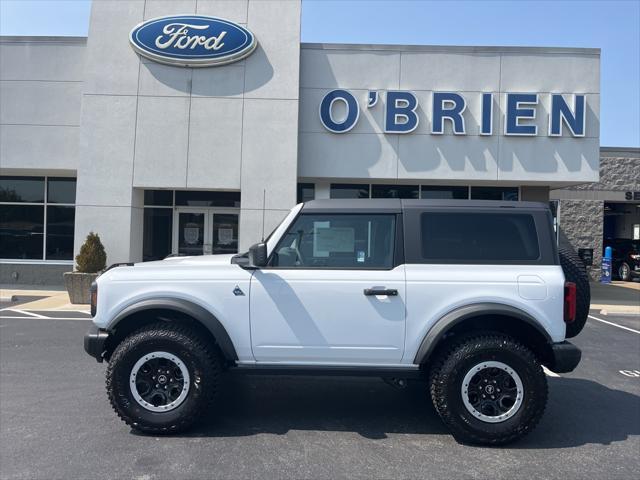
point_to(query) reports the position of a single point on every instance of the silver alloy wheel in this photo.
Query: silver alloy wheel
(624, 271)
(159, 381)
(492, 392)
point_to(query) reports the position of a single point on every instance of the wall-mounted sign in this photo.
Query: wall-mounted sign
(401, 112)
(192, 40)
(632, 195)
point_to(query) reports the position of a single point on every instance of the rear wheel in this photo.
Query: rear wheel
(489, 389)
(574, 271)
(161, 378)
(624, 272)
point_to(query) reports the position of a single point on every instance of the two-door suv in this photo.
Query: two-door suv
(470, 296)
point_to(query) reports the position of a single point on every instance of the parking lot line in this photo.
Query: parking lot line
(31, 314)
(614, 324)
(41, 317)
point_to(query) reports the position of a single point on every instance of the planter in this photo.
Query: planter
(79, 286)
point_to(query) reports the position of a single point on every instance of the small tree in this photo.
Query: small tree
(92, 257)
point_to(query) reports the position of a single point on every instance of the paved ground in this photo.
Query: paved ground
(617, 297)
(56, 422)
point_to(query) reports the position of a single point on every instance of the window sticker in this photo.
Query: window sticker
(333, 239)
(360, 256)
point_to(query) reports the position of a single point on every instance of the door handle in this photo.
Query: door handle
(391, 292)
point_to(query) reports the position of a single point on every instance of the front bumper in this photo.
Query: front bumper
(94, 342)
(565, 357)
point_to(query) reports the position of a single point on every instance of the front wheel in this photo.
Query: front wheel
(161, 378)
(489, 389)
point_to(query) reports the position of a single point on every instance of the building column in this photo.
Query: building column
(581, 223)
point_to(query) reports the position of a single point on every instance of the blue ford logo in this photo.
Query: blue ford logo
(192, 40)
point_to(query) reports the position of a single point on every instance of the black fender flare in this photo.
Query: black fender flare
(200, 314)
(460, 314)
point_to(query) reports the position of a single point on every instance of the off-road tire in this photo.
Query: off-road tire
(574, 271)
(201, 360)
(447, 375)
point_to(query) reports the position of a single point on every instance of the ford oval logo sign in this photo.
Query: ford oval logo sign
(192, 40)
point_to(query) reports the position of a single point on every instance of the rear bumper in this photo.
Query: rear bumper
(565, 357)
(94, 342)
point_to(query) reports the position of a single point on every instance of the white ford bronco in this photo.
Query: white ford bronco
(472, 297)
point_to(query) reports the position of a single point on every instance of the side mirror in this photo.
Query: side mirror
(258, 255)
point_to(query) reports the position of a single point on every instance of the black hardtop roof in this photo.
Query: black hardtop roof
(394, 205)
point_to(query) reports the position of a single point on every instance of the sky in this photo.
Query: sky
(613, 26)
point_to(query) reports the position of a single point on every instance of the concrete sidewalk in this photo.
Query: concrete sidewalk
(616, 298)
(53, 299)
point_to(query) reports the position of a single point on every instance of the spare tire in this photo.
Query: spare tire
(574, 271)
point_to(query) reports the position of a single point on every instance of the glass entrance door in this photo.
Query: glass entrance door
(205, 231)
(224, 233)
(191, 231)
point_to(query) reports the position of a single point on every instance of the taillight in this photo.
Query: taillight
(569, 302)
(94, 298)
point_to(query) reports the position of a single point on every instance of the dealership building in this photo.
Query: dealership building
(162, 156)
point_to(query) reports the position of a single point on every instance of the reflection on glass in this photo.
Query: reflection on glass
(21, 231)
(60, 222)
(494, 193)
(225, 233)
(158, 197)
(190, 233)
(345, 190)
(444, 192)
(395, 191)
(158, 228)
(22, 189)
(306, 192)
(61, 190)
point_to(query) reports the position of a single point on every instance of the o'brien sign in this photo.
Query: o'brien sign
(400, 114)
(192, 40)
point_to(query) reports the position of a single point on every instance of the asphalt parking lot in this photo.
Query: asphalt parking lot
(56, 422)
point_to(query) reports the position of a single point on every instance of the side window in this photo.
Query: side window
(478, 237)
(337, 241)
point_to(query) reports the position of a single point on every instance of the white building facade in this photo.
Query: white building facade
(165, 159)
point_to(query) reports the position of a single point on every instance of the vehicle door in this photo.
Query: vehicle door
(334, 292)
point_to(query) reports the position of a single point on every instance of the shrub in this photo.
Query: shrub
(92, 257)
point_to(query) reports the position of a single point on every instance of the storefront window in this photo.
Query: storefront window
(348, 190)
(207, 199)
(60, 228)
(61, 190)
(395, 191)
(22, 189)
(494, 193)
(158, 228)
(163, 198)
(306, 192)
(21, 228)
(445, 192)
(37, 218)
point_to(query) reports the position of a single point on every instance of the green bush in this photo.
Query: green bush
(92, 257)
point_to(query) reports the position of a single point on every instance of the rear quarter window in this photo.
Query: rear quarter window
(457, 237)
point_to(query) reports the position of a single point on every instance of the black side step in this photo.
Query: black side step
(327, 371)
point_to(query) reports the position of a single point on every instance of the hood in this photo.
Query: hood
(202, 260)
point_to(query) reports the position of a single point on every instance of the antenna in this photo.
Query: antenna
(264, 198)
